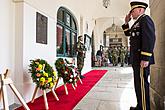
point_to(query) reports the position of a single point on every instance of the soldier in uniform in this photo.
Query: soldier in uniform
(99, 57)
(122, 56)
(142, 41)
(110, 54)
(115, 53)
(126, 55)
(81, 55)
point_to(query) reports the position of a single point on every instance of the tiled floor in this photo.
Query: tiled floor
(115, 91)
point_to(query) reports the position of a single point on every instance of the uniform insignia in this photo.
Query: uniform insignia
(133, 34)
(136, 25)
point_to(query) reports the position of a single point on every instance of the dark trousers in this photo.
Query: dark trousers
(142, 89)
(80, 63)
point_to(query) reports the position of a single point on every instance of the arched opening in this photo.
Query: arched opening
(66, 33)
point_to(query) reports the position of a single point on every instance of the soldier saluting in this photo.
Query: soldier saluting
(142, 41)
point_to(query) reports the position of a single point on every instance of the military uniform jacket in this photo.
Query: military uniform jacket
(80, 49)
(142, 39)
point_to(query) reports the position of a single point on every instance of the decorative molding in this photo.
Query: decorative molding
(33, 6)
(18, 1)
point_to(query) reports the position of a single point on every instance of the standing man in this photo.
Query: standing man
(81, 55)
(122, 56)
(142, 41)
(110, 54)
(115, 54)
(99, 57)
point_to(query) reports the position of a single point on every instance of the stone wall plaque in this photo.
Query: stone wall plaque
(41, 28)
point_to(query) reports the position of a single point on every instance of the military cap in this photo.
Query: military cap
(138, 4)
(79, 36)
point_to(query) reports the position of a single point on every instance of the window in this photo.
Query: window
(66, 33)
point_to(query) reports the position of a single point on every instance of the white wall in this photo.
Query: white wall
(7, 41)
(6, 35)
(33, 50)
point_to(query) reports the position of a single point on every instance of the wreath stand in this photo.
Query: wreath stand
(3, 91)
(44, 94)
(78, 77)
(65, 87)
(73, 85)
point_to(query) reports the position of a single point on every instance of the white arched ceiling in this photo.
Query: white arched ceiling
(91, 8)
(108, 21)
(95, 9)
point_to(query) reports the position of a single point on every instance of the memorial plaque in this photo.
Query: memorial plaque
(41, 28)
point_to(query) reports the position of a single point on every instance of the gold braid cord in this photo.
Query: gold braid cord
(142, 88)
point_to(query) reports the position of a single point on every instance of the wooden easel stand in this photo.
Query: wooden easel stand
(3, 91)
(44, 94)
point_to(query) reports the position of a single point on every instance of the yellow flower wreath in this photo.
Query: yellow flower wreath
(42, 74)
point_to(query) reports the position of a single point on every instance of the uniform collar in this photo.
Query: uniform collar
(80, 41)
(137, 20)
(138, 17)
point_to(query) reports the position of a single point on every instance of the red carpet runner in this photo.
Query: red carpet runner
(68, 102)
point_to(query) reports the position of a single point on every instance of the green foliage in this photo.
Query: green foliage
(64, 71)
(42, 74)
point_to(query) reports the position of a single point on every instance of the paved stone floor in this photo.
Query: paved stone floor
(114, 91)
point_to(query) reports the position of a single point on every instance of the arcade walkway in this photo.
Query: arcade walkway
(115, 91)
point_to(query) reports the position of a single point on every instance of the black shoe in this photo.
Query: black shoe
(81, 76)
(133, 108)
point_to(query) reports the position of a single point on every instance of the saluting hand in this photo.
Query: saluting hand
(127, 18)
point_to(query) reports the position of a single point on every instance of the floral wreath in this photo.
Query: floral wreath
(64, 71)
(42, 74)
